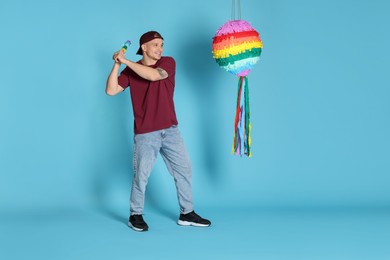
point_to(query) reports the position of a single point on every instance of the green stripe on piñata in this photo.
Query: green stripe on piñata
(255, 52)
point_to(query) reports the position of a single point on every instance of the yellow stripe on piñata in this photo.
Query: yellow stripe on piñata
(236, 41)
(234, 50)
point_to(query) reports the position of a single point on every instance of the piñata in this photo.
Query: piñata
(236, 48)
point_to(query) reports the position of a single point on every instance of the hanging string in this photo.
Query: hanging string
(234, 10)
(239, 10)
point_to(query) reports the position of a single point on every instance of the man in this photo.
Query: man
(152, 84)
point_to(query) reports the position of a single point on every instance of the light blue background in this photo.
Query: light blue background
(319, 105)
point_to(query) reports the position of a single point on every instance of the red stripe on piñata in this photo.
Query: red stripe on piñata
(235, 35)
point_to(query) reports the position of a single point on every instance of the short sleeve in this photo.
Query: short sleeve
(123, 78)
(169, 65)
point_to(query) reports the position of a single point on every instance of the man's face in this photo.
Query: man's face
(154, 48)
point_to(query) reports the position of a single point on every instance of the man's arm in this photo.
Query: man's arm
(148, 73)
(112, 86)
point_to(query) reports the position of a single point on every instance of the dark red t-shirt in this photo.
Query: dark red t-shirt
(153, 105)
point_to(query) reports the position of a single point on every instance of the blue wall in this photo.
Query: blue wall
(319, 103)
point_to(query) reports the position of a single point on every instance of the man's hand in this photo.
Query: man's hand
(119, 57)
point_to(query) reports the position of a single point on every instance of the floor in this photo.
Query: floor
(262, 233)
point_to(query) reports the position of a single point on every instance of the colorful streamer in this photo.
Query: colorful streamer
(242, 126)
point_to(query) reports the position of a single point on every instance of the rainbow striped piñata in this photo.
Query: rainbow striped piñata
(236, 48)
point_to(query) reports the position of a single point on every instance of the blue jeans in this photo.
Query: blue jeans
(169, 143)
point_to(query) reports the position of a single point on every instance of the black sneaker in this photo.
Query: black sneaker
(193, 219)
(137, 223)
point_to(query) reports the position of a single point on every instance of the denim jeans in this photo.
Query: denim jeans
(169, 143)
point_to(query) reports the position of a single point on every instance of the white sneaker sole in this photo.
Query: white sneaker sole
(187, 223)
(135, 228)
